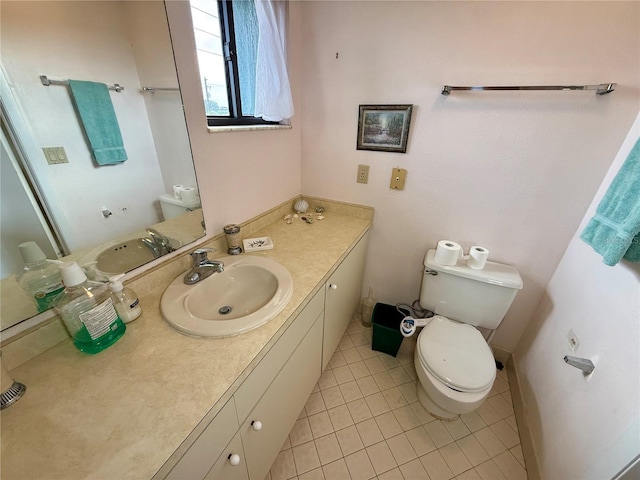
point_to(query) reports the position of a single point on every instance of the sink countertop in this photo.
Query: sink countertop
(123, 412)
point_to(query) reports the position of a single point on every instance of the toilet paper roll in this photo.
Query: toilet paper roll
(477, 257)
(188, 194)
(448, 252)
(176, 190)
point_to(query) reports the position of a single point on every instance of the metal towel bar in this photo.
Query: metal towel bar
(47, 82)
(160, 89)
(601, 89)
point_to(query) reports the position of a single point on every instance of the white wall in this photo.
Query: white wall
(83, 41)
(513, 172)
(585, 427)
(240, 174)
(153, 55)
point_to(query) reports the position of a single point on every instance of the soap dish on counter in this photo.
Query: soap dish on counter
(259, 243)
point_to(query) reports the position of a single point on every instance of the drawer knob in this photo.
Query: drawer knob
(333, 286)
(234, 459)
(256, 425)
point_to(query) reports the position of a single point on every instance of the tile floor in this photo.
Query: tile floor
(363, 421)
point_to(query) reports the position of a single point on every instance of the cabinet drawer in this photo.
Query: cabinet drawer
(223, 469)
(200, 457)
(281, 404)
(261, 377)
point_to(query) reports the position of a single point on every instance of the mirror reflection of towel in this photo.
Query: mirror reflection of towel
(614, 231)
(99, 122)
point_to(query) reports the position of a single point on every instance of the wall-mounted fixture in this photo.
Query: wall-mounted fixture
(601, 89)
(47, 82)
(583, 364)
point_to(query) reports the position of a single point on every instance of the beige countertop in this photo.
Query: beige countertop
(123, 412)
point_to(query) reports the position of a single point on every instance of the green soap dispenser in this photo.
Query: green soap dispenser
(88, 312)
(41, 277)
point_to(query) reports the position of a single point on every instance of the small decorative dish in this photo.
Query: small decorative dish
(259, 243)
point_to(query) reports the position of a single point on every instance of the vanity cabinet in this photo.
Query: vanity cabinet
(343, 291)
(244, 438)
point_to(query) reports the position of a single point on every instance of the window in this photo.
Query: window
(228, 46)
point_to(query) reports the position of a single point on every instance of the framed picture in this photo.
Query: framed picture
(384, 127)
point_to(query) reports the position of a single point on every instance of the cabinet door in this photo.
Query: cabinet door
(200, 457)
(252, 389)
(342, 298)
(224, 468)
(281, 404)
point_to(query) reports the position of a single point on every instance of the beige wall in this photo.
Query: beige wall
(513, 172)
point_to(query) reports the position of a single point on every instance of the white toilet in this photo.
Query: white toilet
(454, 363)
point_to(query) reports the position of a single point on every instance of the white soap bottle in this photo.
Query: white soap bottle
(125, 300)
(41, 277)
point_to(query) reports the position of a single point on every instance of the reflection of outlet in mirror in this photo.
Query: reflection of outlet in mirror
(574, 343)
(363, 174)
(55, 155)
(398, 176)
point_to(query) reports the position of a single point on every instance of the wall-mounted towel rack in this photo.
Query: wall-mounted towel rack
(47, 82)
(601, 89)
(160, 89)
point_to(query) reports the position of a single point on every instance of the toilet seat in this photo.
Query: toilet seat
(456, 354)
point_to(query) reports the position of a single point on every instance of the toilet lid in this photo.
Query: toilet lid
(457, 355)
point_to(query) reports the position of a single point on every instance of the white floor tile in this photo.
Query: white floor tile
(381, 457)
(349, 440)
(359, 466)
(363, 420)
(401, 448)
(328, 449)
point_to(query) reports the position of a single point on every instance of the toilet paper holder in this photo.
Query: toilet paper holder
(583, 364)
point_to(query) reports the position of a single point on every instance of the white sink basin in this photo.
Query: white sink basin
(248, 293)
(127, 253)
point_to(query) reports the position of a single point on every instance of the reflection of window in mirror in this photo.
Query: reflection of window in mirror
(242, 62)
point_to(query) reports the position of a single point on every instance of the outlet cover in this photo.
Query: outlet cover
(363, 174)
(398, 177)
(55, 155)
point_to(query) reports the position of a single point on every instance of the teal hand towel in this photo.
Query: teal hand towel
(614, 231)
(99, 121)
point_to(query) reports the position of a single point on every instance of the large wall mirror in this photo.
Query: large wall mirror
(109, 218)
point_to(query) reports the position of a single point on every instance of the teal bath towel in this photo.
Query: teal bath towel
(614, 231)
(99, 122)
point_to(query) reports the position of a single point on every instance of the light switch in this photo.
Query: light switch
(398, 176)
(55, 155)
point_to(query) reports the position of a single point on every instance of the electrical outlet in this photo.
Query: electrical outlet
(398, 176)
(574, 343)
(363, 174)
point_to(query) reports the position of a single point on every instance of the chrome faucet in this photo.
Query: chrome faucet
(202, 267)
(157, 243)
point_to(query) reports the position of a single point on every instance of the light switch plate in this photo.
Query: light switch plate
(398, 177)
(55, 155)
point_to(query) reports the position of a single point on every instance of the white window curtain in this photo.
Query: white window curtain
(273, 100)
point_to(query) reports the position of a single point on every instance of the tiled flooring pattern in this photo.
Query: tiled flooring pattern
(363, 421)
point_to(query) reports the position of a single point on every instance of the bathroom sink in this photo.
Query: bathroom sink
(248, 293)
(126, 253)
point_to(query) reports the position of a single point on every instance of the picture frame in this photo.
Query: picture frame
(384, 128)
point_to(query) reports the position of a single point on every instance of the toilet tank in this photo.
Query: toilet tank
(173, 207)
(477, 297)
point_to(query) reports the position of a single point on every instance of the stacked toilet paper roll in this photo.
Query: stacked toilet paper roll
(448, 252)
(477, 257)
(188, 194)
(185, 193)
(176, 191)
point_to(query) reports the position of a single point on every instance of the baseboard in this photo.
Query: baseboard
(526, 441)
